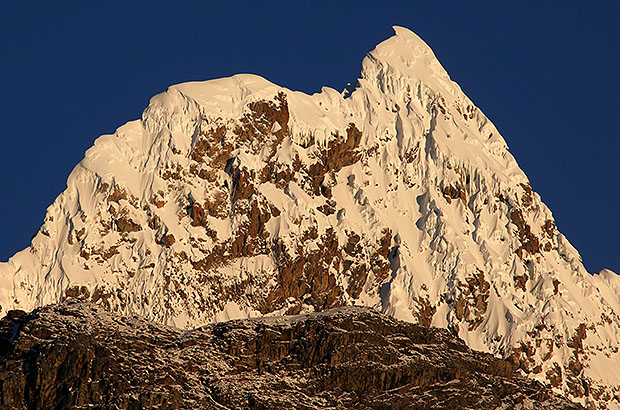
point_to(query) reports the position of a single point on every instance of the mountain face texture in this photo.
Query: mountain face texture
(79, 356)
(237, 198)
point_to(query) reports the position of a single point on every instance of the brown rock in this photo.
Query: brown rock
(549, 228)
(78, 356)
(526, 198)
(529, 241)
(554, 376)
(125, 224)
(456, 191)
(198, 215)
(168, 240)
(521, 282)
(340, 152)
(117, 194)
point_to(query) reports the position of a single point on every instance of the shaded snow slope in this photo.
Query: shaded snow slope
(236, 198)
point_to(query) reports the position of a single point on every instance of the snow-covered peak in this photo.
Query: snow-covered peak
(226, 96)
(238, 198)
(401, 60)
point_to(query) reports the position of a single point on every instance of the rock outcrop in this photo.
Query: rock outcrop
(77, 355)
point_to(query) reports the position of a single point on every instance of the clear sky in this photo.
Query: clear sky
(545, 72)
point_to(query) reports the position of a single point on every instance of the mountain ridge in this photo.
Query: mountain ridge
(236, 198)
(78, 355)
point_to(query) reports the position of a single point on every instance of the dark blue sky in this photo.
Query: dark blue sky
(546, 73)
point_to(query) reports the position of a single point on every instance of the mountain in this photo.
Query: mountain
(237, 198)
(309, 361)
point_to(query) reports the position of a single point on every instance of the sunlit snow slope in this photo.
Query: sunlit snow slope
(236, 197)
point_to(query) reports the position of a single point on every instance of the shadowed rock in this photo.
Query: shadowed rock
(78, 355)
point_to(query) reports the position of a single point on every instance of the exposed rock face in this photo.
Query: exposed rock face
(79, 356)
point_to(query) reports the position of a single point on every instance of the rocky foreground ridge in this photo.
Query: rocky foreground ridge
(78, 355)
